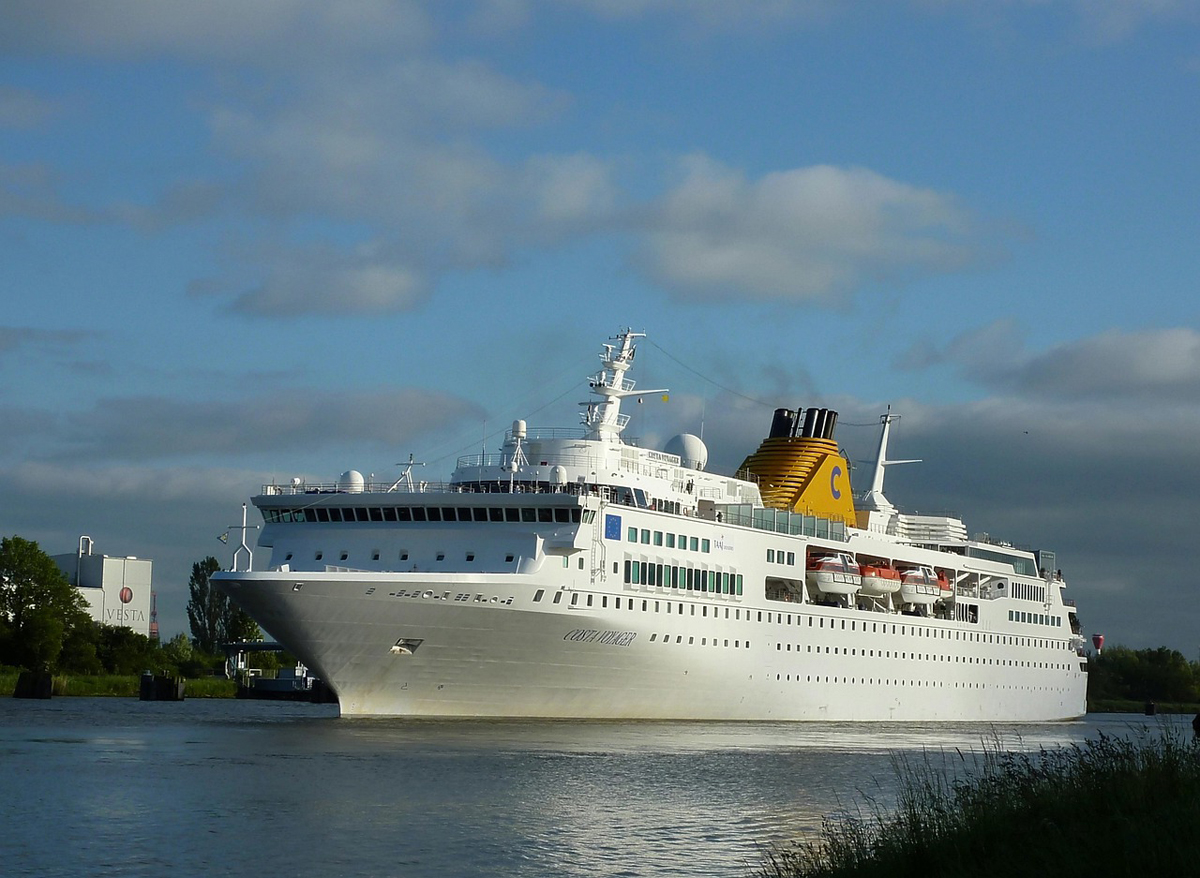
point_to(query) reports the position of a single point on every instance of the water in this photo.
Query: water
(223, 787)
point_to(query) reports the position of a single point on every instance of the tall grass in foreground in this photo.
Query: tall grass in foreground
(1110, 807)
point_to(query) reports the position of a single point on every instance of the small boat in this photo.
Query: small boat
(879, 579)
(836, 573)
(920, 585)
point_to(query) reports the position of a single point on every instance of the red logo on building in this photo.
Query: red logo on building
(126, 595)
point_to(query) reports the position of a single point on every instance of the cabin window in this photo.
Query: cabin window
(509, 558)
(403, 513)
(694, 544)
(670, 541)
(531, 515)
(563, 516)
(433, 513)
(558, 597)
(389, 513)
(537, 595)
(470, 556)
(375, 555)
(645, 536)
(345, 555)
(376, 513)
(480, 514)
(362, 514)
(770, 556)
(404, 556)
(318, 556)
(441, 556)
(658, 538)
(704, 545)
(495, 514)
(418, 513)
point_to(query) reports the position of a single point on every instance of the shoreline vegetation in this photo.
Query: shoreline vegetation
(1112, 806)
(121, 686)
(127, 686)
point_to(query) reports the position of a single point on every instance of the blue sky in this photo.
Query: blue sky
(244, 242)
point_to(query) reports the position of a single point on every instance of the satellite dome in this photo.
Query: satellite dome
(691, 450)
(351, 481)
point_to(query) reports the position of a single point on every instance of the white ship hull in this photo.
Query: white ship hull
(586, 578)
(643, 654)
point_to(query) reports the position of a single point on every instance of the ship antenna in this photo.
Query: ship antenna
(406, 476)
(243, 547)
(875, 498)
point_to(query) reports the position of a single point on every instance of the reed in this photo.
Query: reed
(1112, 806)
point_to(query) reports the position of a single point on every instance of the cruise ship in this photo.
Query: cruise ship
(574, 574)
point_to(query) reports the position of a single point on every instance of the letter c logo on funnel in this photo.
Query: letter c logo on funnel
(833, 488)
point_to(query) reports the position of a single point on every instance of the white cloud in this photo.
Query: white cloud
(22, 109)
(157, 428)
(333, 286)
(265, 31)
(809, 234)
(1147, 365)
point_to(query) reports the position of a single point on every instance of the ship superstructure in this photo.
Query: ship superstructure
(573, 574)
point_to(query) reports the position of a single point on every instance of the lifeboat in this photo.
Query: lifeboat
(835, 573)
(879, 579)
(920, 585)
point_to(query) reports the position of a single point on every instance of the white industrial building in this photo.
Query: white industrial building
(117, 590)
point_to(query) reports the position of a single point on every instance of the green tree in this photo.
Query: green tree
(205, 605)
(39, 608)
(124, 651)
(213, 617)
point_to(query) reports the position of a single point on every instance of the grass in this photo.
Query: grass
(1109, 807)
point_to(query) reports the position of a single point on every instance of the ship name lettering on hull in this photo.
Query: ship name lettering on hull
(604, 638)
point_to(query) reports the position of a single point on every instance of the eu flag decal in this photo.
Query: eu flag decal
(612, 527)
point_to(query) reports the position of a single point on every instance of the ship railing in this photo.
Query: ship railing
(549, 433)
(781, 521)
(492, 486)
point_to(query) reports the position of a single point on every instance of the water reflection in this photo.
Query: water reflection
(237, 787)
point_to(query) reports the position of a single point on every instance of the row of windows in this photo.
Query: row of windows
(536, 515)
(935, 684)
(469, 557)
(919, 656)
(666, 638)
(1029, 592)
(1034, 618)
(802, 620)
(688, 578)
(669, 540)
(780, 557)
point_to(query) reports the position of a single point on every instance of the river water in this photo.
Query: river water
(221, 787)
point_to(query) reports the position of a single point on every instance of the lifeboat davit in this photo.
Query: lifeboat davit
(879, 579)
(920, 585)
(836, 573)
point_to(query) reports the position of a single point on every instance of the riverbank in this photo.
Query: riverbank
(1112, 806)
(122, 686)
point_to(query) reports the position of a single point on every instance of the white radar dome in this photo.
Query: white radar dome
(351, 481)
(691, 450)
